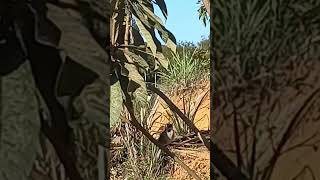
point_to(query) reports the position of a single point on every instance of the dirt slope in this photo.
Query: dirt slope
(196, 158)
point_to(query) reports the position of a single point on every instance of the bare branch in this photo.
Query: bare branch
(135, 123)
(175, 109)
(219, 160)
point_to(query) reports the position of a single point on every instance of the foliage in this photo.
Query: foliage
(180, 126)
(203, 14)
(202, 49)
(136, 50)
(66, 85)
(141, 161)
(187, 67)
(20, 124)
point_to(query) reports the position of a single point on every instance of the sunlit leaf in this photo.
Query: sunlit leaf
(137, 59)
(148, 37)
(163, 7)
(115, 103)
(20, 124)
(136, 86)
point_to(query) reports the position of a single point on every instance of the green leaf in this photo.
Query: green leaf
(165, 34)
(20, 124)
(137, 87)
(163, 7)
(93, 108)
(148, 37)
(163, 61)
(137, 38)
(150, 20)
(78, 43)
(151, 15)
(167, 37)
(137, 59)
(124, 71)
(115, 103)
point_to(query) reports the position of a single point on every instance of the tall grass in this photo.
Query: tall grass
(188, 69)
(190, 107)
(140, 160)
(185, 70)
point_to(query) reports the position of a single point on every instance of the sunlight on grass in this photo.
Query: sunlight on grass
(185, 70)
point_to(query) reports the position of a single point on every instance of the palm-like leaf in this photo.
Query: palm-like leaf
(137, 50)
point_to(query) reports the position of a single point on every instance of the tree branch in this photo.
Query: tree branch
(175, 109)
(219, 160)
(135, 123)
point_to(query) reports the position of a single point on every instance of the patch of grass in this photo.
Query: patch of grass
(141, 160)
(184, 71)
(188, 70)
(191, 106)
(138, 155)
(181, 127)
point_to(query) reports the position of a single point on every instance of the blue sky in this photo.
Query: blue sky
(183, 20)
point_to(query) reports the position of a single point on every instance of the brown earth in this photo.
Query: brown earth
(197, 158)
(187, 99)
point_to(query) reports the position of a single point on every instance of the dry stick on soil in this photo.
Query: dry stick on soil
(220, 160)
(175, 109)
(136, 124)
(293, 123)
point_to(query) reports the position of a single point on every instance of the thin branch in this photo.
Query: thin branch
(219, 160)
(198, 103)
(135, 123)
(64, 152)
(175, 109)
(63, 148)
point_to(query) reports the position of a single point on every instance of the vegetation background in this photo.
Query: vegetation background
(56, 54)
(177, 67)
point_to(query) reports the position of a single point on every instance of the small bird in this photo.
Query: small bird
(167, 135)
